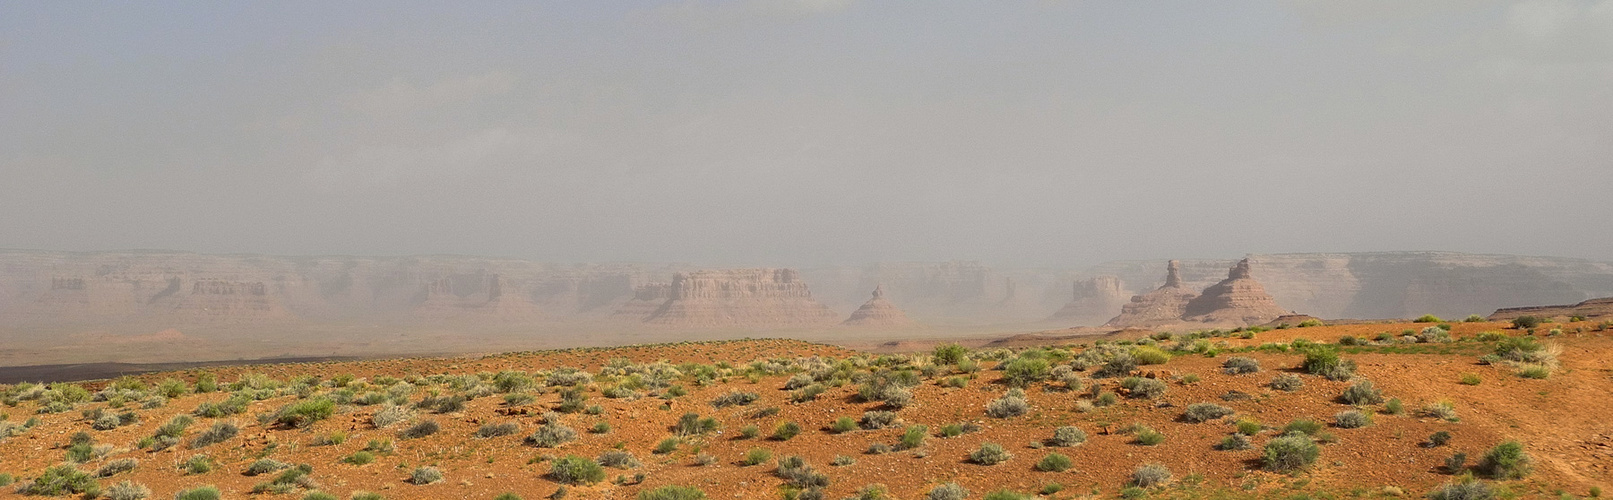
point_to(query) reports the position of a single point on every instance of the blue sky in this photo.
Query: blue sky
(803, 132)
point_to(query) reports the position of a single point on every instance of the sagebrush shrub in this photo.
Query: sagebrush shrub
(1287, 382)
(1007, 406)
(1362, 393)
(1238, 365)
(990, 454)
(1068, 435)
(425, 475)
(1143, 388)
(619, 459)
(420, 430)
(872, 420)
(127, 490)
(757, 456)
(218, 433)
(1463, 490)
(1204, 412)
(1150, 475)
(1290, 452)
(492, 430)
(1233, 442)
(552, 434)
(947, 491)
(116, 467)
(1352, 419)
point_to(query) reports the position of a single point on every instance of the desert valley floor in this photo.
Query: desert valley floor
(696, 414)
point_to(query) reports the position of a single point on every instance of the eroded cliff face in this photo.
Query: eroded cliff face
(474, 297)
(760, 297)
(1093, 302)
(1592, 310)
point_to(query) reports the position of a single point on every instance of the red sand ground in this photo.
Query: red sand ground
(1561, 420)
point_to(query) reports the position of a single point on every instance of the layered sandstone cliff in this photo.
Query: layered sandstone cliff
(878, 312)
(475, 297)
(1093, 302)
(647, 299)
(1165, 305)
(741, 298)
(1238, 300)
(1593, 310)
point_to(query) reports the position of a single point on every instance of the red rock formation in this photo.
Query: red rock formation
(1094, 301)
(1165, 305)
(1238, 300)
(741, 297)
(1591, 310)
(878, 311)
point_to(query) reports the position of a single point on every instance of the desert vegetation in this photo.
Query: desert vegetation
(797, 420)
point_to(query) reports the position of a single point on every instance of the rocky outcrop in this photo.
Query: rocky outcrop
(1094, 301)
(763, 298)
(1593, 310)
(1238, 300)
(1165, 305)
(878, 312)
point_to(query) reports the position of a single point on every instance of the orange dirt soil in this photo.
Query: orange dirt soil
(1562, 422)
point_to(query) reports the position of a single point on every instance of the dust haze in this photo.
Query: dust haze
(263, 176)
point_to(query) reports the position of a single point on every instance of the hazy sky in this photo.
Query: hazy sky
(804, 132)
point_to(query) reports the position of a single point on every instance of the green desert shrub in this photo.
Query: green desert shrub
(877, 419)
(949, 354)
(305, 412)
(1325, 361)
(756, 456)
(690, 424)
(63, 479)
(197, 464)
(1147, 436)
(1148, 355)
(786, 430)
(1526, 322)
(914, 436)
(208, 492)
(989, 454)
(1290, 452)
(265, 466)
(666, 446)
(1054, 462)
(672, 493)
(734, 398)
(1234, 442)
(1505, 461)
(1303, 426)
(1022, 372)
(843, 425)
(795, 471)
(1427, 318)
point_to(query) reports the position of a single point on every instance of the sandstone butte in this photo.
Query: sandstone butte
(762, 297)
(878, 311)
(1163, 306)
(475, 297)
(1238, 300)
